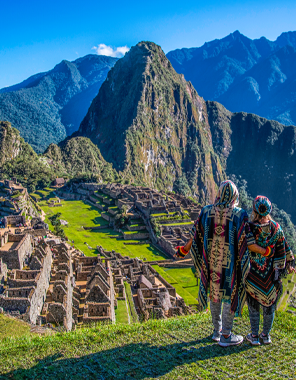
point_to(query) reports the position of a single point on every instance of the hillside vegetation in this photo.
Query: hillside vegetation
(260, 151)
(152, 125)
(179, 348)
(77, 156)
(49, 106)
(19, 160)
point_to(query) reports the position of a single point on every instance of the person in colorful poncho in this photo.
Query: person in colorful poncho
(263, 284)
(219, 248)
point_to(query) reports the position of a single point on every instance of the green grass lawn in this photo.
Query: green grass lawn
(183, 280)
(121, 312)
(12, 327)
(127, 232)
(161, 214)
(78, 214)
(131, 306)
(175, 349)
(287, 286)
(45, 192)
(37, 196)
(177, 224)
(137, 225)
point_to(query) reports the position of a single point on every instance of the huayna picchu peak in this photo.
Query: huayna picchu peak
(150, 123)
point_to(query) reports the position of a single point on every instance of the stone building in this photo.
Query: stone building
(15, 249)
(94, 290)
(154, 297)
(3, 271)
(26, 288)
(58, 306)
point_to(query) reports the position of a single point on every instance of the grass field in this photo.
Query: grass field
(287, 286)
(79, 214)
(121, 313)
(175, 349)
(183, 280)
(12, 327)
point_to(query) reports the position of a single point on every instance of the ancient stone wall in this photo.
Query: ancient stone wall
(42, 285)
(14, 258)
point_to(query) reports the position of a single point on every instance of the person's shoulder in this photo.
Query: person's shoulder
(206, 209)
(239, 212)
(276, 226)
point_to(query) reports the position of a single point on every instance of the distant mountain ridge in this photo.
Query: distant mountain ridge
(256, 76)
(48, 106)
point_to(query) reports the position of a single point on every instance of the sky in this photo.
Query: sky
(37, 35)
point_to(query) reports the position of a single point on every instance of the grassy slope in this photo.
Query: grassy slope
(178, 348)
(12, 327)
(78, 214)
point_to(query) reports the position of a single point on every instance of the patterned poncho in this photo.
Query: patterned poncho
(263, 283)
(220, 250)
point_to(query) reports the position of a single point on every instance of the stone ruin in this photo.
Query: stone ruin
(26, 285)
(57, 308)
(153, 296)
(94, 291)
(15, 203)
(48, 282)
(145, 204)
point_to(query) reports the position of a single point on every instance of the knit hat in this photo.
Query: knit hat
(262, 205)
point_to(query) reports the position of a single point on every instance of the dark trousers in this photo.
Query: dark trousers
(268, 317)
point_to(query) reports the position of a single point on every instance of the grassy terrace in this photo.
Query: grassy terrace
(12, 327)
(105, 196)
(161, 214)
(287, 286)
(79, 214)
(127, 232)
(177, 224)
(178, 348)
(183, 280)
(121, 313)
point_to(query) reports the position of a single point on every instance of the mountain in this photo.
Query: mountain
(49, 106)
(77, 156)
(18, 159)
(260, 151)
(152, 125)
(256, 76)
(71, 158)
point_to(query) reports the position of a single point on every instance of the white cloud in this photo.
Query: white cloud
(103, 49)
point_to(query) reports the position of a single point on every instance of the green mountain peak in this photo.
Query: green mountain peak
(150, 123)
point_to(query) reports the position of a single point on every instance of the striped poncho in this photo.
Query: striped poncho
(221, 236)
(263, 283)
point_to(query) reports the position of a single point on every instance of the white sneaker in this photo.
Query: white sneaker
(232, 340)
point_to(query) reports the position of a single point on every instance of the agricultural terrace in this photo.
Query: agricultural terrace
(80, 214)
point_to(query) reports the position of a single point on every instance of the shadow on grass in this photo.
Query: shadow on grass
(132, 361)
(157, 252)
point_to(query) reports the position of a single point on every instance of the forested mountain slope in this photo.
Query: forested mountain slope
(47, 107)
(256, 76)
(150, 123)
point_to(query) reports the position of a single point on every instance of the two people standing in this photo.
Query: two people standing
(221, 241)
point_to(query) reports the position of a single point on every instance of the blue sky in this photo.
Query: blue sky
(36, 35)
